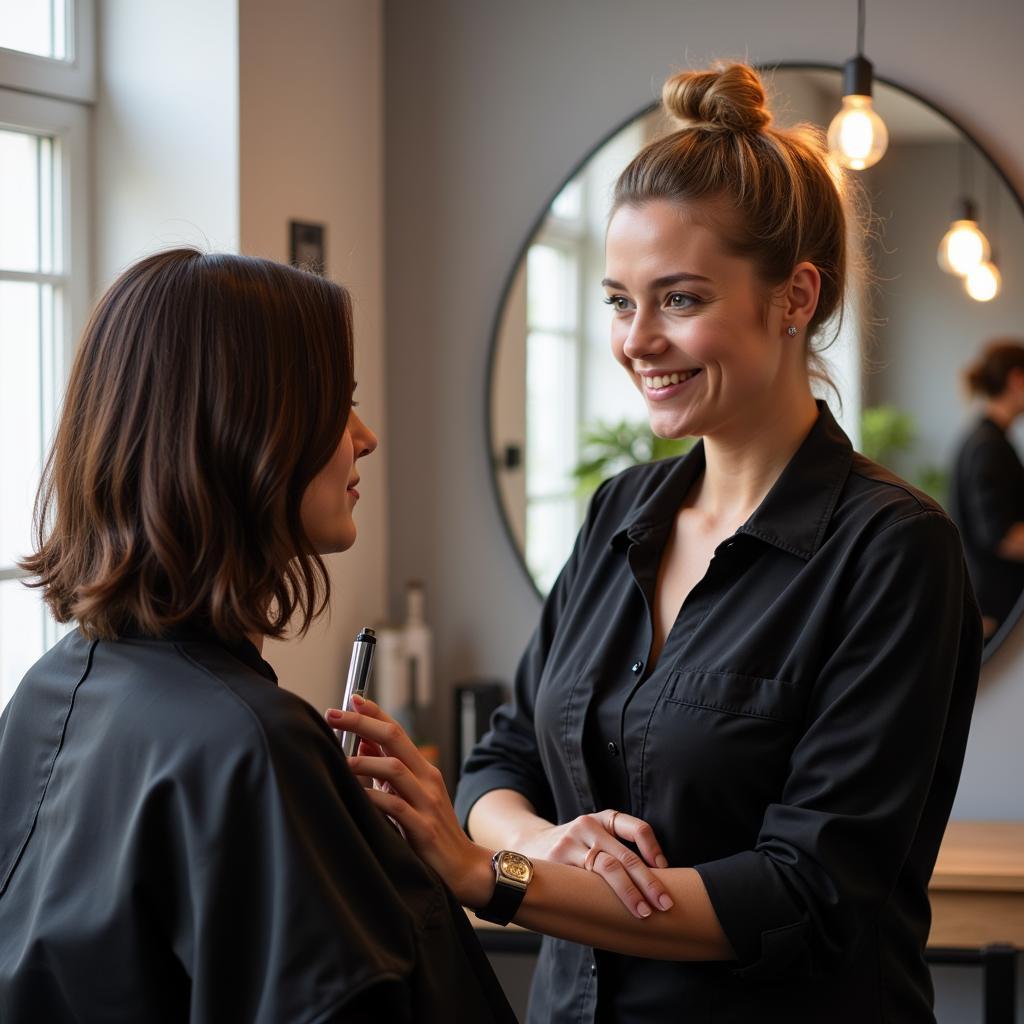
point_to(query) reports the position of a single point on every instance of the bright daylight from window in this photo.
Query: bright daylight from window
(31, 337)
(38, 28)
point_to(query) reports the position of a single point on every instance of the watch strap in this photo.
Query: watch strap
(505, 901)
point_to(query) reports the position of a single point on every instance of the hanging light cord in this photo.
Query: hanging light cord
(965, 170)
(860, 28)
(993, 209)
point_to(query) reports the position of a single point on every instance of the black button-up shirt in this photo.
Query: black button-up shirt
(987, 499)
(182, 840)
(799, 741)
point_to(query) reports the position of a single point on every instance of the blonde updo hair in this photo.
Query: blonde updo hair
(785, 198)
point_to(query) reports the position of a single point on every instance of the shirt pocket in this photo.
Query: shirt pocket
(734, 694)
(716, 752)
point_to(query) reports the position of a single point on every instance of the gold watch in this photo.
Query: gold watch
(512, 874)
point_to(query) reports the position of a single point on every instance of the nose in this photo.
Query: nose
(364, 440)
(645, 337)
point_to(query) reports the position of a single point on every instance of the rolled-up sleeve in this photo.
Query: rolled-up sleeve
(875, 740)
(508, 756)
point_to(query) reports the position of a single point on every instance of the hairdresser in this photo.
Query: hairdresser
(736, 735)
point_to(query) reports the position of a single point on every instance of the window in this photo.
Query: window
(553, 295)
(45, 281)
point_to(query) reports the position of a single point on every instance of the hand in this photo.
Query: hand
(412, 792)
(591, 841)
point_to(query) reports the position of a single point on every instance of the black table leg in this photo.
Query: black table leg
(1000, 964)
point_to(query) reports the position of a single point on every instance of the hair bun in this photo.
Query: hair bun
(730, 97)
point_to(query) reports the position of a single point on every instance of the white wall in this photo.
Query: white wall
(166, 146)
(311, 148)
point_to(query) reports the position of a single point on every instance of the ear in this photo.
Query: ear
(801, 295)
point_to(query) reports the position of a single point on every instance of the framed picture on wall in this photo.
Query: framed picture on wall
(306, 246)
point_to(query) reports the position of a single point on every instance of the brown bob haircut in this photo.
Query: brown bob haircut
(208, 390)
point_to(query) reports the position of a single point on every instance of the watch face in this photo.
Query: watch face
(516, 866)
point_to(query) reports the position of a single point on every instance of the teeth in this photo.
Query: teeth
(664, 380)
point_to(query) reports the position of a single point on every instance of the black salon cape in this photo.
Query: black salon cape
(986, 500)
(181, 840)
(798, 742)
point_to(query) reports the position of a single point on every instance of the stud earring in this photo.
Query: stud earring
(791, 330)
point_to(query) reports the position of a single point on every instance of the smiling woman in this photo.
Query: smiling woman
(562, 415)
(746, 704)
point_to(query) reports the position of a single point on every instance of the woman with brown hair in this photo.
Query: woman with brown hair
(736, 734)
(987, 496)
(181, 839)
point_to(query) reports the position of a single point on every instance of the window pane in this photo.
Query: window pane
(34, 26)
(19, 201)
(568, 204)
(551, 527)
(26, 325)
(551, 296)
(551, 389)
(22, 633)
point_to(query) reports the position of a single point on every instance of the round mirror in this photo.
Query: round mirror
(563, 416)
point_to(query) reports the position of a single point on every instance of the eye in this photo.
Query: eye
(619, 303)
(681, 300)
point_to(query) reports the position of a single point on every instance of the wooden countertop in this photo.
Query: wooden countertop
(981, 855)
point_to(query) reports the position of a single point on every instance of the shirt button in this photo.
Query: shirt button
(637, 667)
(593, 968)
(613, 750)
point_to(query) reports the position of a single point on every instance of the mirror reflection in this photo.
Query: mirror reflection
(563, 415)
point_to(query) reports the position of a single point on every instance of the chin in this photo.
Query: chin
(337, 542)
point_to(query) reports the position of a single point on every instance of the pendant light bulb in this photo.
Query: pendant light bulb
(984, 282)
(857, 136)
(964, 246)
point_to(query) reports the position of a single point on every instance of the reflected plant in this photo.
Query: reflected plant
(609, 448)
(886, 431)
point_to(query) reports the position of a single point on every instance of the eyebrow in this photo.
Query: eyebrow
(658, 282)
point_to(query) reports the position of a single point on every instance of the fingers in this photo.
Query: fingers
(612, 870)
(638, 832)
(372, 724)
(390, 773)
(634, 882)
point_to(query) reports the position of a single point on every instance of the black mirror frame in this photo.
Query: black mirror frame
(997, 638)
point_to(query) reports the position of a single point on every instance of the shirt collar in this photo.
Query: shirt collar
(793, 515)
(243, 649)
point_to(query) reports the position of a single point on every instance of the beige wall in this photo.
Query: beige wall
(166, 130)
(311, 148)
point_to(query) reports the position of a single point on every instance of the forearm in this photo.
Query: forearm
(1011, 547)
(501, 817)
(570, 903)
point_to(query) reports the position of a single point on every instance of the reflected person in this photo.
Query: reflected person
(987, 496)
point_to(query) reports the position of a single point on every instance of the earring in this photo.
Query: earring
(791, 330)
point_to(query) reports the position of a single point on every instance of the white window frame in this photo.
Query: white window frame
(52, 98)
(71, 78)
